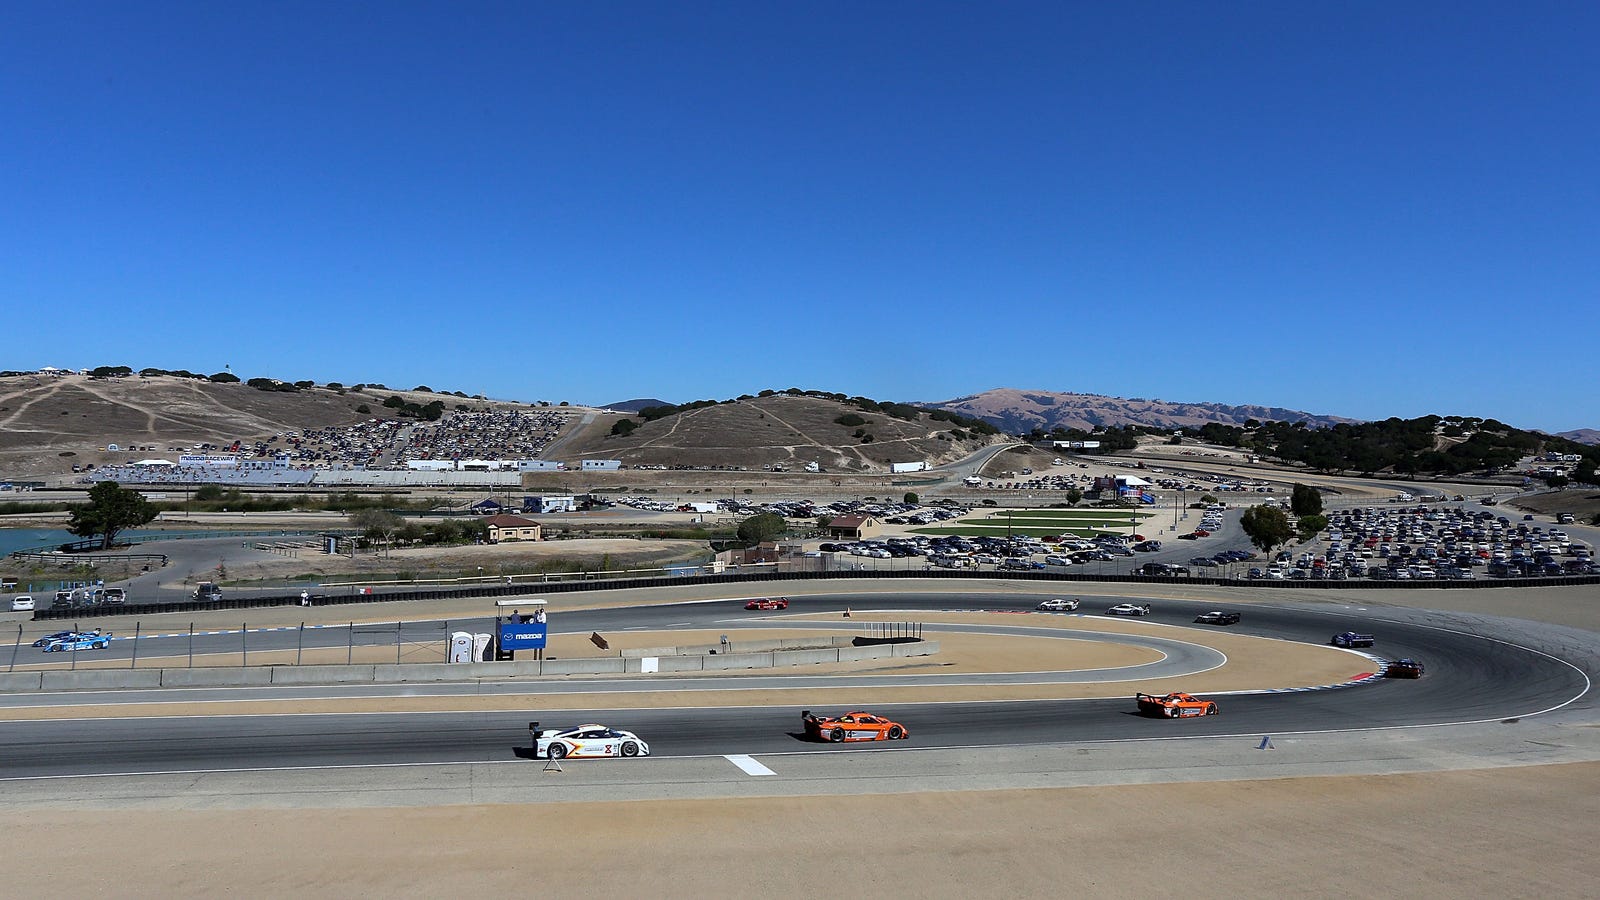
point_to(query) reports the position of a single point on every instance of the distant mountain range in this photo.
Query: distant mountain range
(1018, 411)
(1581, 435)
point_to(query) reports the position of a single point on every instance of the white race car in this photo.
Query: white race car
(1058, 604)
(1129, 609)
(586, 741)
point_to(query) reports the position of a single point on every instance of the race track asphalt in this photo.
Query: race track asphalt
(1477, 672)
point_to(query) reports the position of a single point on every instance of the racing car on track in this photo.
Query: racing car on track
(1176, 705)
(86, 640)
(852, 726)
(1352, 639)
(1217, 617)
(1403, 668)
(49, 639)
(586, 741)
(768, 603)
(1058, 604)
(1129, 609)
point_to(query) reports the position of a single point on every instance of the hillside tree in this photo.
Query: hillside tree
(110, 510)
(377, 524)
(1310, 526)
(763, 527)
(1305, 500)
(1267, 526)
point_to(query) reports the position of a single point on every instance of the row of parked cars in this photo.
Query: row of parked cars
(1430, 542)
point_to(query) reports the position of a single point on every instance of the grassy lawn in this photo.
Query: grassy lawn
(1091, 514)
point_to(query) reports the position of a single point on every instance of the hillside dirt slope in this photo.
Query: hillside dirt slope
(780, 429)
(1019, 411)
(50, 423)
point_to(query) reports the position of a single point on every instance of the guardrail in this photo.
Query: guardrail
(257, 602)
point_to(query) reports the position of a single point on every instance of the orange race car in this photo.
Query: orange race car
(1176, 705)
(768, 603)
(852, 726)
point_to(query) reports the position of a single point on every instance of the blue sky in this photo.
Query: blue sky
(1363, 209)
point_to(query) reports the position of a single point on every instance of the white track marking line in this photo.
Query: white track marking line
(748, 764)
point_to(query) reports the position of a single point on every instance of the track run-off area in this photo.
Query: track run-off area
(1490, 683)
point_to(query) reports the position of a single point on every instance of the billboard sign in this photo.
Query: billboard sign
(522, 635)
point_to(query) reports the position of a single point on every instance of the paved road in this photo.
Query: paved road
(1474, 674)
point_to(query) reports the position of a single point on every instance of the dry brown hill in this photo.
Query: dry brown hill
(779, 429)
(1019, 412)
(49, 423)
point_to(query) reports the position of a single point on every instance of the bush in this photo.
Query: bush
(850, 420)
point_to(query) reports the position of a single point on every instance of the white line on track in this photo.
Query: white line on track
(748, 764)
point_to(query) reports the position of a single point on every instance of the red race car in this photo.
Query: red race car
(768, 603)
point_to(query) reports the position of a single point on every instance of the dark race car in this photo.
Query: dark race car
(1217, 617)
(1403, 668)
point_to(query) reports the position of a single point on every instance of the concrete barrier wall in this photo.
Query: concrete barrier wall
(807, 657)
(724, 661)
(611, 665)
(233, 676)
(650, 651)
(100, 679)
(113, 679)
(322, 674)
(22, 681)
(682, 664)
(743, 646)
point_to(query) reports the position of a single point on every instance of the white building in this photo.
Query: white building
(540, 465)
(601, 465)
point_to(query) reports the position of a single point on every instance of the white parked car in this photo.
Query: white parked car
(586, 741)
(1058, 604)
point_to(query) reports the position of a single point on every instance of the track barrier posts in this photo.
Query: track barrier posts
(244, 643)
(134, 663)
(299, 642)
(191, 645)
(350, 645)
(14, 648)
(397, 627)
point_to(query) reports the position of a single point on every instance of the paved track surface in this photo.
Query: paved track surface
(1479, 669)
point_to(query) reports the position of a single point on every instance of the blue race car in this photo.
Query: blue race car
(88, 640)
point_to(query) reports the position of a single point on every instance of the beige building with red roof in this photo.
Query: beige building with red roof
(505, 527)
